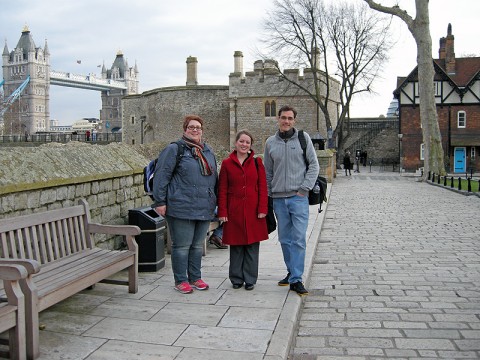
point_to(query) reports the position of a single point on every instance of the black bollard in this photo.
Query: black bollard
(445, 180)
(459, 183)
(469, 185)
(433, 177)
(438, 180)
(428, 176)
(451, 183)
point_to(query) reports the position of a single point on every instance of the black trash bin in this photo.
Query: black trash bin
(151, 242)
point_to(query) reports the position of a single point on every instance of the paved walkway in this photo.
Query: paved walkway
(160, 323)
(396, 273)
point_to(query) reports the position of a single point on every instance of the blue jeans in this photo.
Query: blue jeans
(292, 220)
(188, 237)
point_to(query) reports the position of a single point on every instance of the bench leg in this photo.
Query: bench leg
(133, 279)
(31, 318)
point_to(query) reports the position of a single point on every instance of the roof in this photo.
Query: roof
(467, 70)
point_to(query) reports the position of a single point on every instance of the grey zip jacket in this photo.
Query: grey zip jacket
(285, 166)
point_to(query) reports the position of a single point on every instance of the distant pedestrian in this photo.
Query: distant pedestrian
(94, 135)
(87, 135)
(347, 163)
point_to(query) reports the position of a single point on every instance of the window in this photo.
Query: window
(437, 85)
(461, 119)
(273, 108)
(267, 108)
(422, 152)
(133, 120)
(472, 152)
(270, 108)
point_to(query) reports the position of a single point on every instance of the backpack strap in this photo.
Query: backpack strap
(179, 154)
(303, 144)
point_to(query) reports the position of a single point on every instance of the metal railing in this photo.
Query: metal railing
(62, 138)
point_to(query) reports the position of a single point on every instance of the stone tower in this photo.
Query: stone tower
(111, 112)
(30, 112)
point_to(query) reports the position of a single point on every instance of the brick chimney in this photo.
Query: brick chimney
(192, 71)
(450, 52)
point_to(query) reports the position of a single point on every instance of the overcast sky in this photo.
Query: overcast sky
(160, 35)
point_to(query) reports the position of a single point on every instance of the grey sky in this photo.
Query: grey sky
(160, 35)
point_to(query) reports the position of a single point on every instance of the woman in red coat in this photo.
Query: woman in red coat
(242, 206)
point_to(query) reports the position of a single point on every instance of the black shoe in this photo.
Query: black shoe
(238, 286)
(215, 240)
(284, 281)
(249, 286)
(299, 288)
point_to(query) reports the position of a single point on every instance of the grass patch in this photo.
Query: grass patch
(474, 183)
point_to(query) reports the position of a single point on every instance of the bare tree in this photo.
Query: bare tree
(420, 30)
(342, 40)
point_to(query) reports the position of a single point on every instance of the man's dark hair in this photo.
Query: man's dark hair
(287, 108)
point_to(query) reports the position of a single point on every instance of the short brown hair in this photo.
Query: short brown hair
(189, 118)
(287, 108)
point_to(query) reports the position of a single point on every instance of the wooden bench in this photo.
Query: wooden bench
(12, 309)
(61, 242)
(213, 226)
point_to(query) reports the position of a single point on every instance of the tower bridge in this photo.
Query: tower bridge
(25, 105)
(88, 82)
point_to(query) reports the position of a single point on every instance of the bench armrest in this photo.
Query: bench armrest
(12, 272)
(129, 231)
(31, 266)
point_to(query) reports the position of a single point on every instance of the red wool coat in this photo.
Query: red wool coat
(242, 195)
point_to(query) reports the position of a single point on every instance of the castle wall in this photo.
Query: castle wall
(164, 110)
(53, 176)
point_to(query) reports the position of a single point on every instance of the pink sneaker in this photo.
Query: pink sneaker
(184, 288)
(200, 285)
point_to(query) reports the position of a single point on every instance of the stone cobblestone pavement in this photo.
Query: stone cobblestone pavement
(395, 275)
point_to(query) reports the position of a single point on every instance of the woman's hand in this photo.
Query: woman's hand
(223, 219)
(261, 215)
(161, 210)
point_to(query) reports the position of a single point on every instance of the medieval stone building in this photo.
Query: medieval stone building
(250, 101)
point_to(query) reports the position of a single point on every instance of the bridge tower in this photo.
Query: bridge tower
(30, 112)
(111, 112)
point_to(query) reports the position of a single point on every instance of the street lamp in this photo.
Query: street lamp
(142, 121)
(400, 136)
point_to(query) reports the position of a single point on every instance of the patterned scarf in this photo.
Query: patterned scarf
(197, 153)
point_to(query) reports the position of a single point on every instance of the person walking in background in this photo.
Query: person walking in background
(289, 182)
(87, 135)
(347, 163)
(185, 196)
(243, 206)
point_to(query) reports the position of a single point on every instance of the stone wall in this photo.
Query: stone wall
(56, 175)
(164, 110)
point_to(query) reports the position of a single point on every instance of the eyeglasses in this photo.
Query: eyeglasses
(192, 128)
(287, 118)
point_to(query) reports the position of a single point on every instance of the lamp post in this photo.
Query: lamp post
(400, 136)
(142, 121)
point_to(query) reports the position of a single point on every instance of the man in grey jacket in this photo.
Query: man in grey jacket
(289, 180)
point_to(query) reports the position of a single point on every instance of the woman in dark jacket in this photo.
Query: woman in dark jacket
(185, 195)
(347, 163)
(242, 206)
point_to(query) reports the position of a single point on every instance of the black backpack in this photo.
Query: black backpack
(149, 170)
(319, 197)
